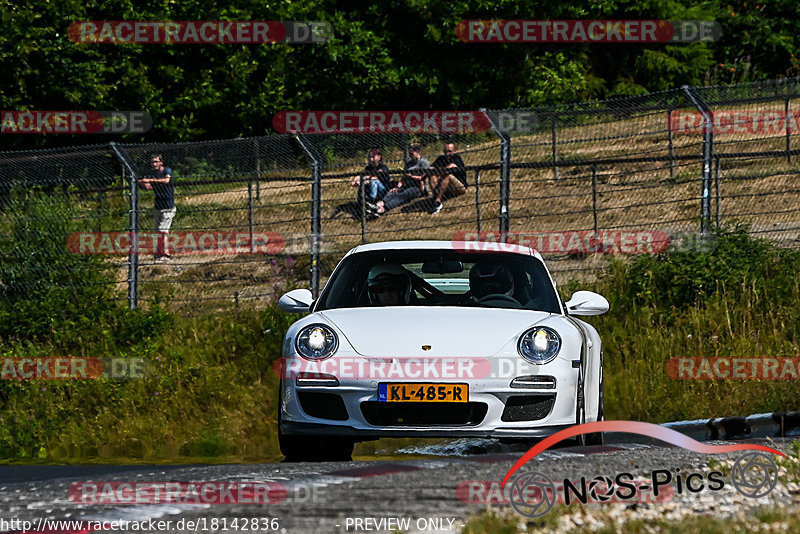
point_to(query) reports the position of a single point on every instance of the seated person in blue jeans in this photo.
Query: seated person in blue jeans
(412, 184)
(376, 179)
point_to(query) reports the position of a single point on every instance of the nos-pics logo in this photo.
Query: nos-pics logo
(533, 494)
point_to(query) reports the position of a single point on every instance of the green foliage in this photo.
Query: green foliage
(47, 293)
(736, 262)
(210, 392)
(758, 41)
(738, 300)
(383, 55)
(44, 287)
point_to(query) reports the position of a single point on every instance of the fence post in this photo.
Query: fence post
(133, 227)
(708, 152)
(555, 152)
(788, 131)
(594, 197)
(258, 170)
(250, 212)
(99, 211)
(716, 187)
(505, 174)
(478, 198)
(363, 194)
(671, 145)
(122, 178)
(316, 213)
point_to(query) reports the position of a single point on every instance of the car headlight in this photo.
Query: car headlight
(316, 342)
(539, 345)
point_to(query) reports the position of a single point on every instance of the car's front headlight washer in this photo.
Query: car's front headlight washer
(316, 342)
(539, 344)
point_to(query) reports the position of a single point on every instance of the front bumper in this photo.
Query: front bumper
(316, 429)
(359, 414)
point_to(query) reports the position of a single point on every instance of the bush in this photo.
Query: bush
(737, 263)
(50, 294)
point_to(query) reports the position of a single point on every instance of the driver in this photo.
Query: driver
(388, 284)
(490, 279)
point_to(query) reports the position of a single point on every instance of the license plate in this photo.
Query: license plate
(423, 392)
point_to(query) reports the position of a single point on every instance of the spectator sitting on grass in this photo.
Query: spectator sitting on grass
(375, 178)
(448, 184)
(411, 186)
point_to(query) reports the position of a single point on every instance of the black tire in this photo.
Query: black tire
(312, 448)
(316, 448)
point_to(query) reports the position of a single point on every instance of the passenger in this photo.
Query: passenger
(412, 184)
(449, 185)
(389, 284)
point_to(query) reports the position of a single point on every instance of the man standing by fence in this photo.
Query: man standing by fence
(159, 179)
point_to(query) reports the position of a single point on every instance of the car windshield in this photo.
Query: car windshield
(440, 278)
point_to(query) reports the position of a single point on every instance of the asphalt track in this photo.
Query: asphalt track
(425, 494)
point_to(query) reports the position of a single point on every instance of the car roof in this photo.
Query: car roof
(465, 246)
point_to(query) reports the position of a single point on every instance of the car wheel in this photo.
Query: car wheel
(316, 448)
(297, 448)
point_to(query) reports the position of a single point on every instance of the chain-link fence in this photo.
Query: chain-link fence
(281, 210)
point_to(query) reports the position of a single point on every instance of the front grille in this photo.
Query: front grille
(423, 413)
(323, 405)
(528, 407)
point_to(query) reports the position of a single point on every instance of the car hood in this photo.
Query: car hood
(402, 331)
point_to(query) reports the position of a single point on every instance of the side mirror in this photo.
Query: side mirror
(587, 303)
(296, 301)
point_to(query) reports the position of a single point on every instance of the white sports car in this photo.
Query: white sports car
(436, 339)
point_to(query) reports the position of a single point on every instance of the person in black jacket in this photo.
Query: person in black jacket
(410, 186)
(449, 178)
(159, 180)
(376, 180)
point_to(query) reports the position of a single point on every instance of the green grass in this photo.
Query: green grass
(211, 393)
(505, 521)
(740, 300)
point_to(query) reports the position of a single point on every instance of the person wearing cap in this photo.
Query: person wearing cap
(388, 284)
(375, 178)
